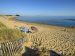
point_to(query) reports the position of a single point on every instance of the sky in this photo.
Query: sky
(38, 7)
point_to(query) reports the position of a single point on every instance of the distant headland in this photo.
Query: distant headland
(70, 19)
(10, 15)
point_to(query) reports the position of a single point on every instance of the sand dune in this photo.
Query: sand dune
(59, 39)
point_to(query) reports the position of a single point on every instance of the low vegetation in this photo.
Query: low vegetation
(9, 34)
(2, 26)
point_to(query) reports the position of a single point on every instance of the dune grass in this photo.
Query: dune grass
(9, 34)
(2, 26)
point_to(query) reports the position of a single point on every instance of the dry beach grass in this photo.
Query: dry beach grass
(58, 39)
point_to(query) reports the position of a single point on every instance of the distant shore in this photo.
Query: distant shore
(70, 19)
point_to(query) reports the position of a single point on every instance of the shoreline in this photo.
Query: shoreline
(44, 24)
(13, 18)
(29, 24)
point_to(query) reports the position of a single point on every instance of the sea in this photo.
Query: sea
(65, 21)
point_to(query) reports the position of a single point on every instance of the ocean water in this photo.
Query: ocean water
(50, 20)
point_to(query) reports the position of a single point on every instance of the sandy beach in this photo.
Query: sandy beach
(59, 39)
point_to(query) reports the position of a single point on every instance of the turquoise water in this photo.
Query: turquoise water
(50, 20)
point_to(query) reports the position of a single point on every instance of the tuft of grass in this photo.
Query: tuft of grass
(7, 34)
(2, 26)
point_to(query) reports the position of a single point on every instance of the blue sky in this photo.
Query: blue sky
(38, 7)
